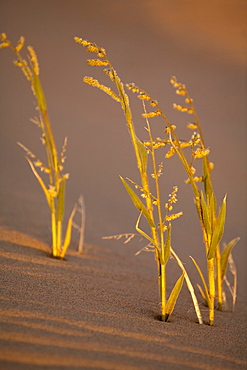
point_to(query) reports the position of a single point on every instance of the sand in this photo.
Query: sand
(100, 310)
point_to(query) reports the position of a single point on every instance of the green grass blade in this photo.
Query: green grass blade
(208, 188)
(39, 92)
(68, 232)
(167, 248)
(189, 286)
(225, 256)
(218, 231)
(61, 200)
(173, 297)
(139, 148)
(143, 155)
(206, 217)
(137, 202)
(203, 281)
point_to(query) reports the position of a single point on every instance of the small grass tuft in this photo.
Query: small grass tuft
(55, 189)
(212, 221)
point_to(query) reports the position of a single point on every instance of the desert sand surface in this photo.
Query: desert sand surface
(100, 310)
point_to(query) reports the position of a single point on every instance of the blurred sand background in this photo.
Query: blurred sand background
(202, 43)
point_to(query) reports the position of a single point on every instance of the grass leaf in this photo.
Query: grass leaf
(218, 231)
(60, 199)
(39, 93)
(167, 248)
(173, 297)
(207, 181)
(225, 256)
(206, 218)
(137, 202)
(206, 295)
(189, 286)
(143, 154)
(68, 232)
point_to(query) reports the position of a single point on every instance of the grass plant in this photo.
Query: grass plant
(158, 217)
(81, 227)
(212, 220)
(55, 189)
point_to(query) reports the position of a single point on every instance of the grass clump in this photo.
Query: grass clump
(212, 218)
(158, 218)
(55, 189)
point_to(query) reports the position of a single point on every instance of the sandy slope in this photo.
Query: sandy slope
(99, 311)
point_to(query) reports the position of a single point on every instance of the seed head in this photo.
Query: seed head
(211, 166)
(200, 153)
(174, 82)
(97, 62)
(91, 81)
(173, 195)
(181, 90)
(152, 114)
(181, 108)
(132, 87)
(20, 44)
(5, 43)
(170, 152)
(173, 217)
(192, 126)
(82, 42)
(34, 60)
(170, 128)
(144, 96)
(92, 49)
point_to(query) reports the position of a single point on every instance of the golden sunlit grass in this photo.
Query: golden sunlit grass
(157, 216)
(146, 194)
(212, 221)
(55, 190)
(211, 218)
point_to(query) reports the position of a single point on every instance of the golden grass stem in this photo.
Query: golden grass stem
(219, 279)
(163, 291)
(211, 284)
(162, 269)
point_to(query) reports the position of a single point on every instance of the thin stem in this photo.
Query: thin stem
(143, 173)
(211, 285)
(219, 279)
(162, 281)
(190, 287)
(162, 276)
(177, 147)
(52, 155)
(54, 232)
(59, 236)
